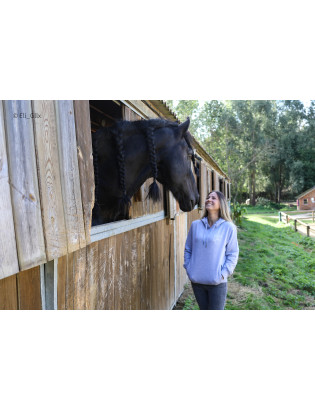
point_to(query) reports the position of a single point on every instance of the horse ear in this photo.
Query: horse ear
(184, 126)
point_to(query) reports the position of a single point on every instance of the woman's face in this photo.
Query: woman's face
(212, 202)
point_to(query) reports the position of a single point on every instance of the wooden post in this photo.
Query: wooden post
(295, 227)
(45, 132)
(8, 253)
(308, 230)
(313, 212)
(69, 175)
(280, 217)
(85, 160)
(26, 203)
(287, 219)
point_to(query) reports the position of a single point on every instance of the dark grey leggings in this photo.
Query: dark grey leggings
(210, 297)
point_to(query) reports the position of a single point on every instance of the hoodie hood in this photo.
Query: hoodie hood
(219, 222)
(205, 222)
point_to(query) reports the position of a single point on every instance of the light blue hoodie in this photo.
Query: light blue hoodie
(211, 254)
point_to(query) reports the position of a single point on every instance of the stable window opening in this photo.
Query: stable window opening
(105, 113)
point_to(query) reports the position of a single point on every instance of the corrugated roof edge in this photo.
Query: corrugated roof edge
(305, 192)
(170, 115)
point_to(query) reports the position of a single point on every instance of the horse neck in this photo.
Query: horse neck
(137, 159)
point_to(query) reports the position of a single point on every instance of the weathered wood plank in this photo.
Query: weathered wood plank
(69, 299)
(8, 252)
(118, 273)
(112, 263)
(171, 265)
(166, 267)
(143, 268)
(154, 269)
(8, 293)
(70, 178)
(216, 181)
(135, 270)
(125, 252)
(181, 277)
(29, 289)
(129, 115)
(92, 284)
(181, 245)
(208, 181)
(103, 271)
(161, 267)
(85, 158)
(45, 130)
(80, 278)
(141, 108)
(146, 287)
(203, 183)
(24, 184)
(61, 283)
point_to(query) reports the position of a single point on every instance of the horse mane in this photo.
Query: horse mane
(126, 128)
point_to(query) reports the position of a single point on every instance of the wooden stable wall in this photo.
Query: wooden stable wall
(21, 291)
(47, 181)
(46, 202)
(132, 270)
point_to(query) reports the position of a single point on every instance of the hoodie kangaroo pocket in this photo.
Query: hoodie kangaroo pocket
(187, 268)
(220, 277)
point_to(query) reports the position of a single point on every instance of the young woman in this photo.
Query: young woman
(211, 253)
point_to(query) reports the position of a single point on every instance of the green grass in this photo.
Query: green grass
(276, 263)
(272, 209)
(307, 221)
(190, 304)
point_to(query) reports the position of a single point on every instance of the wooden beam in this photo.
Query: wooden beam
(85, 159)
(29, 289)
(24, 184)
(45, 130)
(8, 252)
(70, 177)
(140, 108)
(8, 293)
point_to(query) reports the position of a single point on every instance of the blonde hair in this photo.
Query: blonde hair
(224, 211)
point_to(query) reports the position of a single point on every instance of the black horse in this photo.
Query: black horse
(129, 152)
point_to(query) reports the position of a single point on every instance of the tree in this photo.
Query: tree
(263, 145)
(184, 109)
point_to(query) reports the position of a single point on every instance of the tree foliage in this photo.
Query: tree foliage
(266, 147)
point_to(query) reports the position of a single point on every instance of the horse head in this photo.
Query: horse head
(175, 155)
(128, 153)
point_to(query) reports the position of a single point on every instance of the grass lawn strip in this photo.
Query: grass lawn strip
(276, 264)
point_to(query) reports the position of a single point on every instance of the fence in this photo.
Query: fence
(297, 217)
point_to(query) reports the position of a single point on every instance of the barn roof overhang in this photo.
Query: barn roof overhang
(160, 107)
(305, 192)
